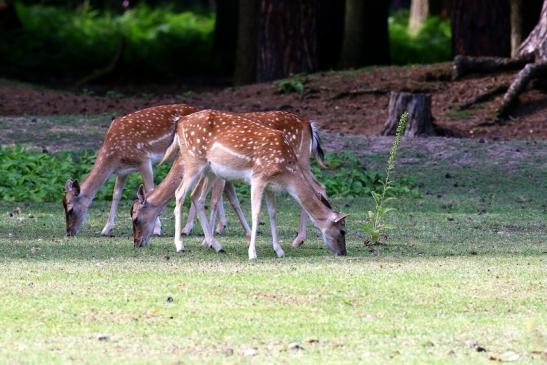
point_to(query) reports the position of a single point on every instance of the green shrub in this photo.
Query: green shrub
(40, 177)
(75, 42)
(293, 84)
(431, 44)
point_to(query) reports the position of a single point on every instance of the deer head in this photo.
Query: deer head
(143, 217)
(75, 209)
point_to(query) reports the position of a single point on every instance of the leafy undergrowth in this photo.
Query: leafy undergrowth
(432, 43)
(158, 41)
(40, 177)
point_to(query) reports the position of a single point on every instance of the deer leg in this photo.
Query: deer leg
(257, 190)
(221, 213)
(230, 192)
(189, 180)
(190, 221)
(198, 198)
(270, 202)
(148, 177)
(116, 196)
(302, 233)
(216, 205)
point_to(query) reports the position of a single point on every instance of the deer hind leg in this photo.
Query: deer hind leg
(221, 213)
(270, 202)
(257, 190)
(191, 176)
(198, 198)
(230, 192)
(148, 177)
(116, 196)
(217, 206)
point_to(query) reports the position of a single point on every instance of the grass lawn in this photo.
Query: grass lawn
(462, 279)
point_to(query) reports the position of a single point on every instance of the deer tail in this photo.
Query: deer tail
(171, 151)
(316, 149)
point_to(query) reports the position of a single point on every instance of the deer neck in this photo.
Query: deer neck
(318, 210)
(98, 175)
(161, 195)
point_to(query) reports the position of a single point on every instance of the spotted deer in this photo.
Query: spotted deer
(215, 145)
(132, 143)
(302, 137)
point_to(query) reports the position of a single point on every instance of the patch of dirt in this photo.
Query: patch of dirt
(352, 102)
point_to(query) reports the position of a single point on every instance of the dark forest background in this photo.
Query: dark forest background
(245, 41)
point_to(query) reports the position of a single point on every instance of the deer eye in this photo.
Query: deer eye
(343, 232)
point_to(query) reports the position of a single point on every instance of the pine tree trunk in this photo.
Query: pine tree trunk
(225, 36)
(481, 28)
(418, 106)
(246, 53)
(287, 38)
(331, 32)
(536, 43)
(419, 11)
(524, 17)
(8, 16)
(366, 37)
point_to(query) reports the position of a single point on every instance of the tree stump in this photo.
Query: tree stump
(418, 106)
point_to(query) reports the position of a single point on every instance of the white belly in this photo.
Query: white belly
(231, 174)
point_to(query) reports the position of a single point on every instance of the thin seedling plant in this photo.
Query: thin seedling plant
(375, 227)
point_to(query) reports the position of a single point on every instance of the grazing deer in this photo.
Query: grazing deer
(217, 145)
(132, 143)
(302, 137)
(148, 206)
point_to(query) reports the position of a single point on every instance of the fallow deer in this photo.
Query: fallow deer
(217, 145)
(302, 137)
(133, 142)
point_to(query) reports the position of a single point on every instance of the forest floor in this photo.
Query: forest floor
(353, 101)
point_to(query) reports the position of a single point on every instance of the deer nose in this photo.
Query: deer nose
(342, 252)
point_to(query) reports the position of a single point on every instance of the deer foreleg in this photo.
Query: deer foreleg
(198, 199)
(116, 196)
(148, 177)
(257, 190)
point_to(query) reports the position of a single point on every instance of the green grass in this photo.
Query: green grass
(465, 265)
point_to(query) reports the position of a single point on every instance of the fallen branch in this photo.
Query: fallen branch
(486, 96)
(357, 92)
(464, 65)
(529, 72)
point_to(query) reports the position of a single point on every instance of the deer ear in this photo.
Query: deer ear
(340, 217)
(72, 186)
(141, 194)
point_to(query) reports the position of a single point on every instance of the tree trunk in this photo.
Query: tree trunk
(331, 33)
(524, 16)
(246, 54)
(366, 37)
(421, 9)
(418, 106)
(534, 46)
(225, 36)
(481, 28)
(536, 43)
(287, 33)
(8, 16)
